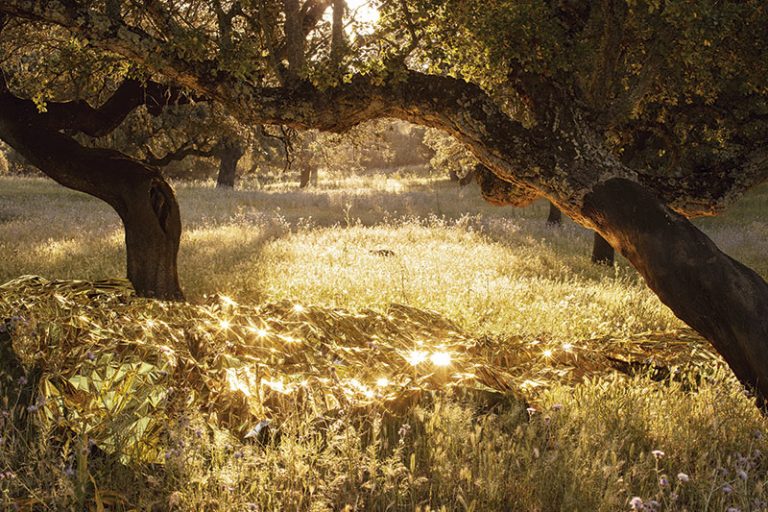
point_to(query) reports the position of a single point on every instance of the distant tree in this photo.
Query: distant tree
(602, 252)
(555, 216)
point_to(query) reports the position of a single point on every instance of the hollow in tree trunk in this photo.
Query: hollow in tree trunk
(602, 252)
(721, 298)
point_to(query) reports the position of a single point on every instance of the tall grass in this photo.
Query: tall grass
(607, 443)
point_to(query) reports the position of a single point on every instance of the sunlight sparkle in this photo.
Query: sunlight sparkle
(440, 358)
(416, 357)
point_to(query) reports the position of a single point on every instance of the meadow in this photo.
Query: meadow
(494, 287)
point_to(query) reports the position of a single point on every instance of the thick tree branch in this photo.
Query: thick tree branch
(96, 122)
(177, 155)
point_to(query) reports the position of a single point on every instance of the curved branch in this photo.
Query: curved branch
(178, 155)
(97, 122)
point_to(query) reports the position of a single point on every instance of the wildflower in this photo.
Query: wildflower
(636, 503)
(652, 505)
(732, 509)
(657, 453)
(757, 435)
(22, 381)
(531, 411)
(664, 481)
(32, 408)
(90, 355)
(741, 474)
(682, 477)
(69, 472)
(557, 407)
(727, 489)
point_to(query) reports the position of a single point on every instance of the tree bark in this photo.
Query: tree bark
(138, 193)
(555, 217)
(152, 222)
(305, 176)
(722, 299)
(229, 155)
(602, 252)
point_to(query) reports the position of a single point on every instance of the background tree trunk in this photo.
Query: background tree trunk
(313, 176)
(725, 301)
(602, 252)
(555, 217)
(468, 178)
(229, 155)
(305, 176)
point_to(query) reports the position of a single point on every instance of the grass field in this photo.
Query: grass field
(498, 274)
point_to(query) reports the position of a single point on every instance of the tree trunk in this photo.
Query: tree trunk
(467, 178)
(313, 176)
(602, 252)
(142, 198)
(229, 156)
(305, 176)
(555, 217)
(152, 223)
(725, 301)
